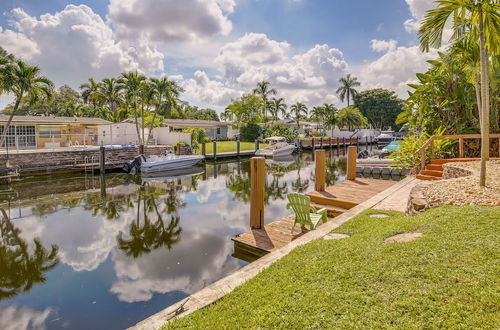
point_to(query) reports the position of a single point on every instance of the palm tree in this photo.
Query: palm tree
(165, 93)
(264, 92)
(277, 106)
(330, 112)
(470, 17)
(351, 117)
(346, 89)
(297, 110)
(109, 92)
(26, 83)
(318, 113)
(89, 92)
(131, 83)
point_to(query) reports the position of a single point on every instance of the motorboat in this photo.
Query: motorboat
(165, 162)
(278, 147)
(385, 138)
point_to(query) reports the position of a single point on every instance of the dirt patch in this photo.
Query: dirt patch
(401, 238)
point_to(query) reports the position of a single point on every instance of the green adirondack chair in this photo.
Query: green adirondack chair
(305, 214)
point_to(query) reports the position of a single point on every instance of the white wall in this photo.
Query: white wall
(119, 133)
(162, 135)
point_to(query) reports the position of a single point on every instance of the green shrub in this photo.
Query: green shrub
(290, 133)
(250, 132)
(198, 136)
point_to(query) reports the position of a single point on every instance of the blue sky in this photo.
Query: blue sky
(218, 49)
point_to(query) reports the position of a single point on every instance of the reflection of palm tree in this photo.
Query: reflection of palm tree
(275, 190)
(300, 185)
(20, 269)
(150, 235)
(331, 172)
(239, 185)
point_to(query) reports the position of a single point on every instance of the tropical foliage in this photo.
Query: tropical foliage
(380, 106)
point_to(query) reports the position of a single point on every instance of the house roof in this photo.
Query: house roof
(187, 123)
(54, 120)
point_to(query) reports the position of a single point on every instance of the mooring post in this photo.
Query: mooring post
(351, 162)
(321, 142)
(320, 170)
(257, 188)
(312, 141)
(141, 149)
(238, 148)
(256, 144)
(203, 149)
(102, 159)
(215, 149)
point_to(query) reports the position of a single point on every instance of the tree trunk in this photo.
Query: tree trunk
(6, 127)
(485, 104)
(477, 86)
(142, 124)
(137, 124)
(152, 124)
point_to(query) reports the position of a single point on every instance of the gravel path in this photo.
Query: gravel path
(466, 190)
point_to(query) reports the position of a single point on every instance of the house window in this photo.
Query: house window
(49, 131)
(218, 130)
(20, 135)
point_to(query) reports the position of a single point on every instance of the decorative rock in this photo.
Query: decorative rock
(401, 238)
(335, 236)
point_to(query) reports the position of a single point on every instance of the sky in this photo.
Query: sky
(219, 49)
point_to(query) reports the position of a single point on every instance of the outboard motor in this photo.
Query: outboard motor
(363, 154)
(134, 165)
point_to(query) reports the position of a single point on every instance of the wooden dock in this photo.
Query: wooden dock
(336, 199)
(243, 153)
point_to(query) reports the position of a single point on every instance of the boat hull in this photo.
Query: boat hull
(285, 151)
(170, 164)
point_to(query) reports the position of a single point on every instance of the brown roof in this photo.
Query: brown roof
(54, 120)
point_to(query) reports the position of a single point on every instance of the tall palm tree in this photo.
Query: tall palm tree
(277, 106)
(469, 17)
(89, 92)
(25, 82)
(165, 93)
(109, 92)
(346, 89)
(264, 91)
(131, 83)
(297, 110)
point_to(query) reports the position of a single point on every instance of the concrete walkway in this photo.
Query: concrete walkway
(398, 200)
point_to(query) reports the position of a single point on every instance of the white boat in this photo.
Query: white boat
(169, 162)
(278, 147)
(166, 162)
(385, 138)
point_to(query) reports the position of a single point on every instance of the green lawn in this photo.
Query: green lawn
(230, 146)
(448, 278)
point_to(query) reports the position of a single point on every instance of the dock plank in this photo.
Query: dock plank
(257, 242)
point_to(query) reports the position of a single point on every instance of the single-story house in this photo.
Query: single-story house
(214, 129)
(50, 131)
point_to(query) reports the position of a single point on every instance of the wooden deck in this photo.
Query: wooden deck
(336, 199)
(243, 153)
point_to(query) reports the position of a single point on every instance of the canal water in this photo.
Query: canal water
(88, 252)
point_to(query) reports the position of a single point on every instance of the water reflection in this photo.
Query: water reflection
(21, 267)
(132, 244)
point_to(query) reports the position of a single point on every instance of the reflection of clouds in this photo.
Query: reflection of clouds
(206, 188)
(84, 242)
(199, 259)
(14, 318)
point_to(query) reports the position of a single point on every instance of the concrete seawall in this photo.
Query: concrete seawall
(52, 160)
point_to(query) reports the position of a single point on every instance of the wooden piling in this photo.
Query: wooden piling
(321, 142)
(102, 160)
(203, 149)
(312, 143)
(351, 162)
(320, 170)
(215, 149)
(257, 188)
(238, 148)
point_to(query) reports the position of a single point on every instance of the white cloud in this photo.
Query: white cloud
(395, 69)
(383, 45)
(308, 77)
(210, 92)
(169, 20)
(74, 44)
(418, 8)
(20, 318)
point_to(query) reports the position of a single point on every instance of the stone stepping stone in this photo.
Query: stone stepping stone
(379, 215)
(401, 238)
(335, 236)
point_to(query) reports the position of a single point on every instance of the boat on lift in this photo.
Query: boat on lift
(278, 147)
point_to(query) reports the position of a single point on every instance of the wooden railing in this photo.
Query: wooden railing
(461, 145)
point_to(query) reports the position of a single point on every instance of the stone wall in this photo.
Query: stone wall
(451, 170)
(48, 160)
